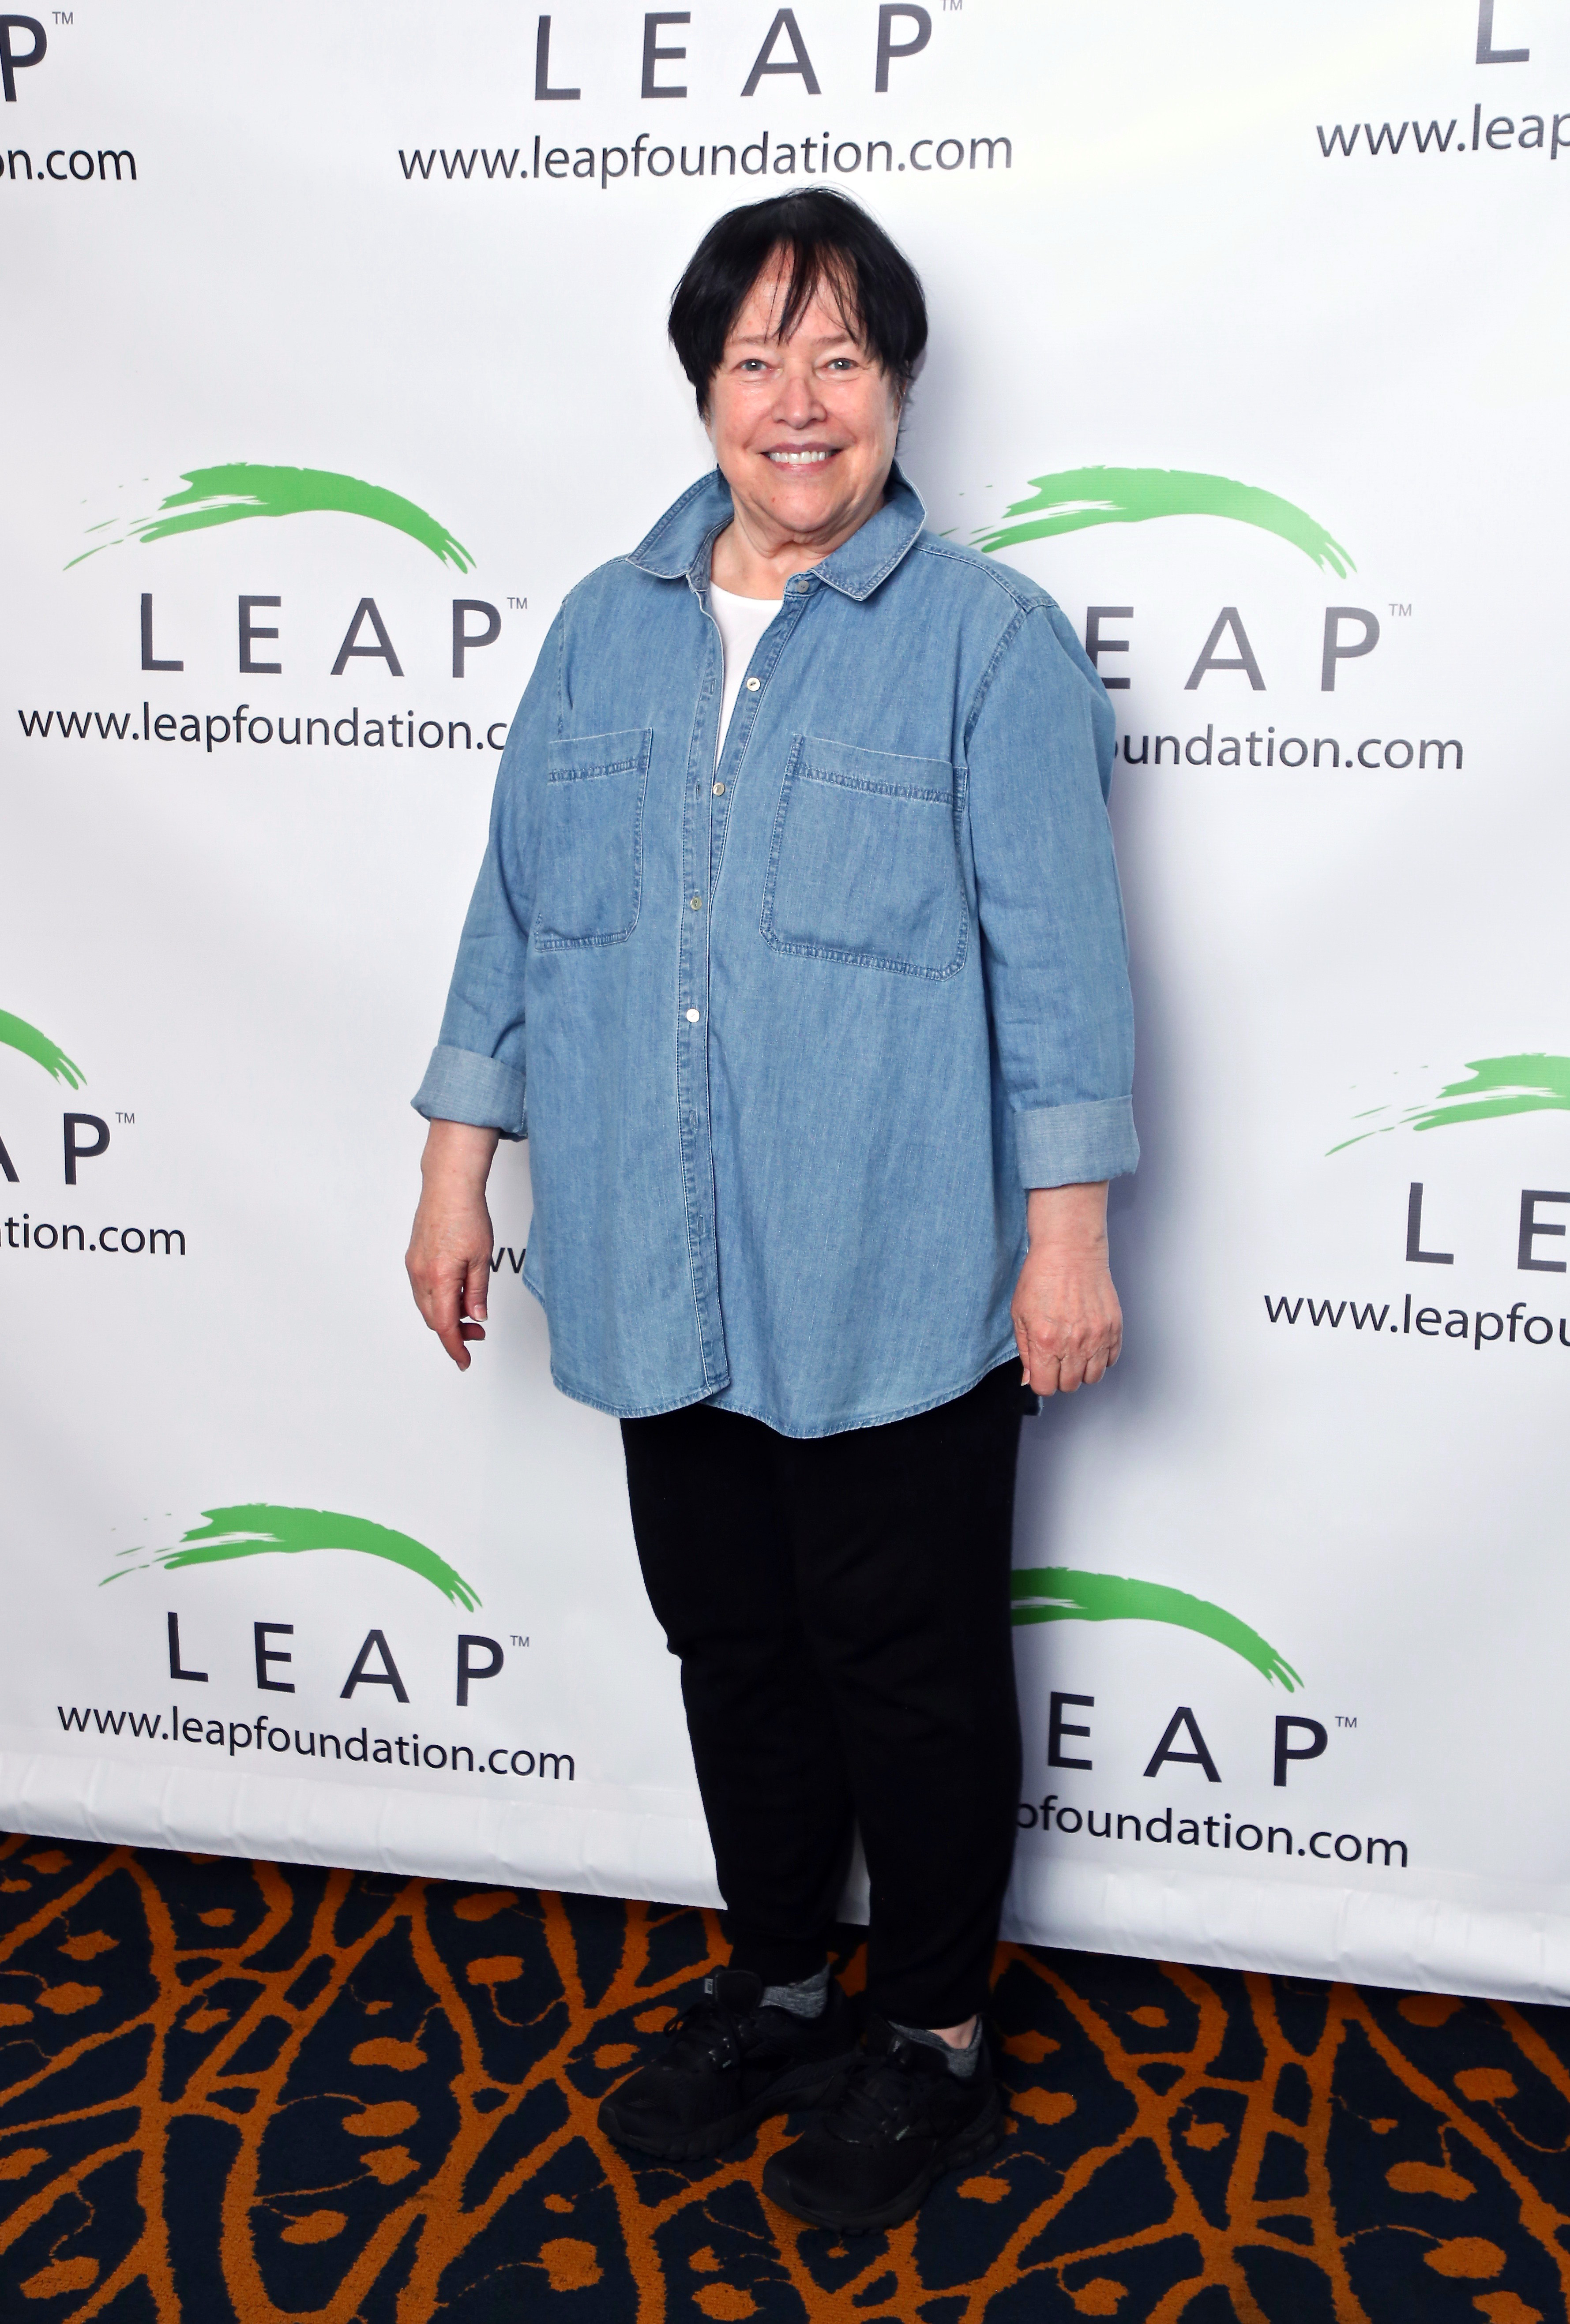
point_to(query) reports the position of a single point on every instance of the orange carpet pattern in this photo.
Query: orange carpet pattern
(271, 2092)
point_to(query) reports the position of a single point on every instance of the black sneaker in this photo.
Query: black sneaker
(728, 2063)
(901, 2120)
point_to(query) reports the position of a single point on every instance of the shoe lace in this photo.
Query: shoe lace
(710, 2030)
(880, 2095)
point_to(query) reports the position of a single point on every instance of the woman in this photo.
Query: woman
(799, 929)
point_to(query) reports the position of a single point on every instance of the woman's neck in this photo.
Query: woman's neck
(739, 567)
(749, 560)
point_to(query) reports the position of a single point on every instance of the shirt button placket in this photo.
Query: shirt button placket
(692, 1075)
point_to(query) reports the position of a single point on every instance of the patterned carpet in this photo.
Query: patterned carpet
(262, 2091)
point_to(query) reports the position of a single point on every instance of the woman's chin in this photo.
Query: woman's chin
(806, 504)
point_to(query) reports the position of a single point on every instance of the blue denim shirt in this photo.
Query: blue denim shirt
(796, 1031)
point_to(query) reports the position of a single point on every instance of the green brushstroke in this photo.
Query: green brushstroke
(1057, 1593)
(240, 488)
(16, 1033)
(258, 1528)
(1532, 1083)
(1077, 497)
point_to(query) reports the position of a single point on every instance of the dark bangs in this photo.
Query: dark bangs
(828, 243)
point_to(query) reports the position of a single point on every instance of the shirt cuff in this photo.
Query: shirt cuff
(461, 1086)
(1076, 1144)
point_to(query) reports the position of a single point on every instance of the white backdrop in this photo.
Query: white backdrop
(225, 952)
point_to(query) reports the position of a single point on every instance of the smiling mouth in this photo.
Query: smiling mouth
(792, 460)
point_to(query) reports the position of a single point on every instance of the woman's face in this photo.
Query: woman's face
(803, 429)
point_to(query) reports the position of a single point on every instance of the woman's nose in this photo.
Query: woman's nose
(798, 403)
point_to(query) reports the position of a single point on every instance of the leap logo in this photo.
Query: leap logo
(307, 1665)
(904, 30)
(11, 61)
(247, 1529)
(1073, 499)
(1058, 1594)
(236, 491)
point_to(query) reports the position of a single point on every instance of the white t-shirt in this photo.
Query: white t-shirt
(741, 621)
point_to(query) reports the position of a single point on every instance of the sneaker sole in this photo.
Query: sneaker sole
(803, 2088)
(980, 2140)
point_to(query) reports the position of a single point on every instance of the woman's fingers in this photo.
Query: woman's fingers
(1047, 1363)
(1058, 1360)
(443, 1319)
(476, 1289)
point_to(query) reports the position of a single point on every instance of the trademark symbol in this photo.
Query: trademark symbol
(1342, 1720)
(124, 1117)
(64, 16)
(517, 1641)
(519, 604)
(1401, 612)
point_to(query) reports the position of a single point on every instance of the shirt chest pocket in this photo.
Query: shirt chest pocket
(591, 841)
(865, 865)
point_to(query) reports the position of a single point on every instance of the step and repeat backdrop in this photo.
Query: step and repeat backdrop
(333, 357)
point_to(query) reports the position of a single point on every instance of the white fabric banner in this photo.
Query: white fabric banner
(336, 355)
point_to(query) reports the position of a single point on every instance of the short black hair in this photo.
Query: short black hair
(827, 240)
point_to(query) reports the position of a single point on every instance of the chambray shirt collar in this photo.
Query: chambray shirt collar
(678, 548)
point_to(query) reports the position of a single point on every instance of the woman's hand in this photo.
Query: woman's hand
(448, 1258)
(1066, 1313)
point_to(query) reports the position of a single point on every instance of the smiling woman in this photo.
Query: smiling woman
(799, 927)
(800, 327)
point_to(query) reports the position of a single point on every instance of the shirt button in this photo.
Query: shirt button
(801, 588)
(753, 684)
(692, 1015)
(719, 790)
(697, 903)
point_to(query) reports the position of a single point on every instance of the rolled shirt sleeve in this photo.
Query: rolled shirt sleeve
(1040, 749)
(477, 1072)
(463, 1085)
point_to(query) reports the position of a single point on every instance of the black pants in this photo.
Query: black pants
(840, 1606)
